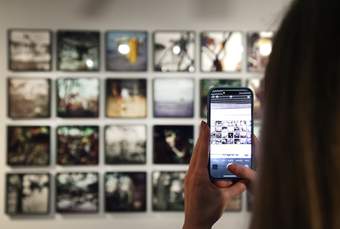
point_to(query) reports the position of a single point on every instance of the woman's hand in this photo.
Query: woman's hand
(205, 201)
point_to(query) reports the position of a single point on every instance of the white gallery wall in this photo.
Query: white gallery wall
(102, 15)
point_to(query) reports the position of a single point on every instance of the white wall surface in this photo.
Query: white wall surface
(198, 15)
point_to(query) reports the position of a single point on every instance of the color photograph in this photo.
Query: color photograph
(78, 50)
(77, 192)
(125, 144)
(28, 98)
(126, 50)
(172, 144)
(28, 145)
(174, 51)
(78, 98)
(77, 145)
(173, 98)
(126, 98)
(221, 51)
(125, 192)
(235, 204)
(28, 194)
(30, 49)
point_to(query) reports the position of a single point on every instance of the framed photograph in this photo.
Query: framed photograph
(78, 50)
(126, 98)
(126, 50)
(77, 192)
(27, 194)
(173, 98)
(77, 145)
(207, 84)
(78, 98)
(235, 204)
(221, 51)
(172, 144)
(125, 144)
(28, 145)
(255, 86)
(125, 192)
(29, 98)
(174, 51)
(168, 191)
(30, 50)
(259, 48)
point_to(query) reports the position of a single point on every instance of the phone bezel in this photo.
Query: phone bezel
(233, 179)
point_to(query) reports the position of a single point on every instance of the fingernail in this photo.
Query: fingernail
(202, 123)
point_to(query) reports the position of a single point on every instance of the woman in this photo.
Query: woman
(297, 184)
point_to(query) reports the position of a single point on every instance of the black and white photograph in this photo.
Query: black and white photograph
(28, 194)
(259, 48)
(126, 98)
(174, 51)
(77, 145)
(77, 192)
(173, 98)
(126, 50)
(235, 204)
(168, 191)
(78, 97)
(207, 84)
(255, 86)
(125, 191)
(221, 51)
(172, 144)
(30, 49)
(231, 132)
(125, 144)
(29, 98)
(78, 50)
(28, 145)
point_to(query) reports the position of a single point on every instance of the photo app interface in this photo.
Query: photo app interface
(230, 130)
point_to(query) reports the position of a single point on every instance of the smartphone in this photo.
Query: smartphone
(230, 118)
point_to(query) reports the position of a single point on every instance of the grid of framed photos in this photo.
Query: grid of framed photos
(135, 126)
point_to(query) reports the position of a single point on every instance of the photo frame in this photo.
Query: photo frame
(126, 50)
(235, 204)
(28, 145)
(29, 98)
(28, 194)
(78, 50)
(125, 191)
(255, 85)
(29, 49)
(78, 97)
(77, 192)
(77, 145)
(174, 51)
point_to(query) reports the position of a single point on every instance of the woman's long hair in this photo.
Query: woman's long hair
(299, 167)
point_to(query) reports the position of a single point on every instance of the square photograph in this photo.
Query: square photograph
(78, 98)
(174, 51)
(125, 144)
(207, 84)
(173, 98)
(28, 145)
(259, 47)
(168, 191)
(30, 49)
(125, 192)
(235, 204)
(78, 50)
(77, 145)
(27, 194)
(77, 192)
(172, 144)
(255, 86)
(221, 51)
(28, 98)
(126, 98)
(126, 50)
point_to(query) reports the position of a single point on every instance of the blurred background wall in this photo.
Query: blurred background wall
(105, 15)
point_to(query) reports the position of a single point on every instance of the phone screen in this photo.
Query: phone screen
(231, 128)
